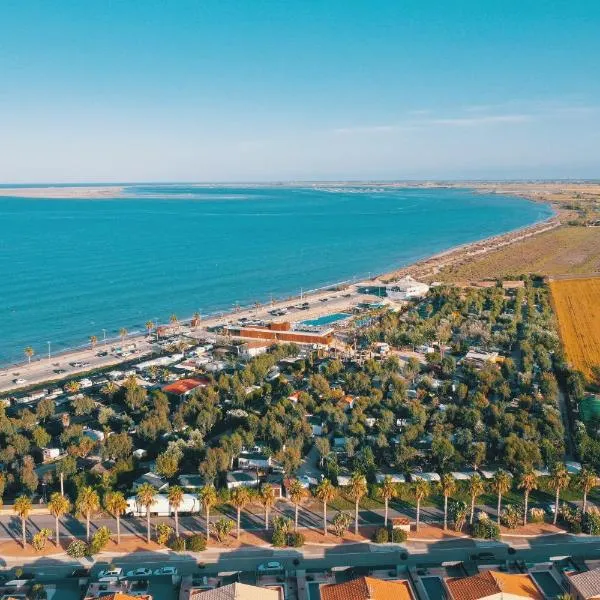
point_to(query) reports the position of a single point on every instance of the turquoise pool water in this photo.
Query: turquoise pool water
(326, 319)
(434, 588)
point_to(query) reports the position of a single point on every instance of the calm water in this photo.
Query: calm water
(69, 268)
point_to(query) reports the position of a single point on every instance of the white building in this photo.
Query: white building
(406, 288)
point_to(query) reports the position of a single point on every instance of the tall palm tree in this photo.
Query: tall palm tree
(175, 496)
(297, 494)
(22, 508)
(87, 503)
(29, 352)
(387, 491)
(527, 482)
(58, 506)
(122, 334)
(325, 492)
(559, 480)
(109, 389)
(587, 480)
(208, 498)
(358, 488)
(174, 320)
(149, 327)
(420, 490)
(501, 483)
(93, 341)
(476, 488)
(145, 496)
(239, 498)
(116, 505)
(268, 497)
(447, 487)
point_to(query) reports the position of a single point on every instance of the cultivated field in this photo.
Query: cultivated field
(565, 250)
(577, 304)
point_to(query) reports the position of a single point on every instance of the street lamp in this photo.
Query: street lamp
(49, 354)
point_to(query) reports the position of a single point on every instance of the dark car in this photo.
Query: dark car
(80, 573)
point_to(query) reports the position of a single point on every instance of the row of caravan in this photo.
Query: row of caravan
(161, 507)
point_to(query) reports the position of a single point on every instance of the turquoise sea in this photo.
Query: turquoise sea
(71, 268)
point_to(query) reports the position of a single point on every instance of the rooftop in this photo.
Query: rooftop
(587, 584)
(183, 386)
(367, 588)
(489, 583)
(236, 591)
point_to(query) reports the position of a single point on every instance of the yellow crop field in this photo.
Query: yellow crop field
(577, 305)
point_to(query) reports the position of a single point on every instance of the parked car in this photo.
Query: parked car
(141, 572)
(272, 565)
(115, 572)
(81, 572)
(166, 571)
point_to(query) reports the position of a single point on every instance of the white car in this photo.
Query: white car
(19, 380)
(141, 572)
(116, 572)
(272, 565)
(166, 571)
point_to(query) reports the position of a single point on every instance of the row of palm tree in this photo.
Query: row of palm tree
(115, 503)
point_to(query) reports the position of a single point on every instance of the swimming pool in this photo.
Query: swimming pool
(434, 588)
(547, 583)
(326, 319)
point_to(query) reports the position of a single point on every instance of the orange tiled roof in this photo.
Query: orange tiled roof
(489, 583)
(183, 385)
(367, 588)
(123, 596)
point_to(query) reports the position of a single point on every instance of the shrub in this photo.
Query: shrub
(164, 533)
(295, 539)
(77, 549)
(381, 535)
(223, 527)
(511, 516)
(590, 523)
(100, 538)
(177, 544)
(40, 539)
(196, 543)
(279, 539)
(458, 514)
(537, 515)
(341, 522)
(399, 536)
(485, 528)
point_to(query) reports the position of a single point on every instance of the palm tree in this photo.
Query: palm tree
(174, 320)
(559, 480)
(501, 484)
(145, 496)
(476, 488)
(587, 480)
(268, 497)
(239, 498)
(93, 341)
(421, 491)
(195, 320)
(358, 488)
(297, 493)
(149, 326)
(109, 389)
(447, 487)
(58, 506)
(528, 482)
(175, 496)
(208, 498)
(22, 508)
(87, 503)
(325, 492)
(122, 334)
(116, 505)
(387, 491)
(29, 352)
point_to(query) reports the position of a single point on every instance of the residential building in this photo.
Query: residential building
(367, 588)
(585, 586)
(254, 460)
(182, 388)
(241, 478)
(494, 585)
(190, 482)
(156, 481)
(234, 591)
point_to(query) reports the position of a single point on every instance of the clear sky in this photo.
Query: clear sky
(234, 90)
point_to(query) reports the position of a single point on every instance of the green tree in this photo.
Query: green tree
(447, 487)
(421, 491)
(476, 488)
(268, 497)
(29, 352)
(58, 506)
(223, 527)
(296, 494)
(501, 484)
(208, 499)
(87, 503)
(527, 482)
(325, 492)
(175, 496)
(559, 480)
(387, 491)
(22, 508)
(357, 489)
(240, 497)
(586, 480)
(116, 505)
(146, 494)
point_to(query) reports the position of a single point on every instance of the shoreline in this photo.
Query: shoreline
(424, 268)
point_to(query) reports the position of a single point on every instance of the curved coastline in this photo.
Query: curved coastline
(427, 261)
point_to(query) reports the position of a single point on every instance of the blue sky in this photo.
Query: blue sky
(224, 90)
